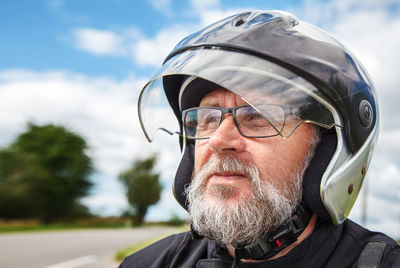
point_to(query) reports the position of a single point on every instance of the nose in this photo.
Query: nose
(227, 138)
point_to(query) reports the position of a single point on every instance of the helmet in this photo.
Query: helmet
(271, 55)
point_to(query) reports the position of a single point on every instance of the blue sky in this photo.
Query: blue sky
(82, 64)
(39, 34)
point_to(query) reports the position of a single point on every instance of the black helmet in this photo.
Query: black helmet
(271, 54)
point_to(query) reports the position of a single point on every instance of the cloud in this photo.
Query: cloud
(130, 43)
(365, 3)
(152, 51)
(56, 3)
(149, 50)
(381, 214)
(107, 198)
(209, 11)
(99, 42)
(205, 4)
(59, 8)
(164, 6)
(101, 109)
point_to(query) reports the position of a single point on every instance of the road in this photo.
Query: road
(70, 249)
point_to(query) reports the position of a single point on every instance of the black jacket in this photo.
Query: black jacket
(328, 246)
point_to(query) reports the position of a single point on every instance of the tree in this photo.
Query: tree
(43, 174)
(18, 176)
(142, 185)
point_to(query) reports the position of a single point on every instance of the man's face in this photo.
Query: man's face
(274, 157)
(244, 187)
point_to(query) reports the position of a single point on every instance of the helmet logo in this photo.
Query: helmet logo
(366, 114)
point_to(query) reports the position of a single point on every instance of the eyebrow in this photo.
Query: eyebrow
(209, 104)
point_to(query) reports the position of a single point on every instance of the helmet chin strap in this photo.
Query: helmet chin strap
(274, 241)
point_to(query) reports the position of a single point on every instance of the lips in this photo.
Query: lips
(227, 177)
(228, 173)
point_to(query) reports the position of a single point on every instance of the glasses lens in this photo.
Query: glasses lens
(201, 122)
(252, 123)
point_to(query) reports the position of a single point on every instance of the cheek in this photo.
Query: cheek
(269, 160)
(201, 155)
(266, 150)
(279, 157)
(296, 150)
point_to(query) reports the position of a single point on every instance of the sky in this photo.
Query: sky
(82, 64)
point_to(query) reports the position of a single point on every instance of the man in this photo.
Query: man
(277, 123)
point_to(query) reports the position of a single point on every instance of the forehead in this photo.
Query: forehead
(222, 98)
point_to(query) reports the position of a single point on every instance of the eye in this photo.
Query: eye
(253, 116)
(248, 115)
(206, 116)
(211, 118)
(207, 120)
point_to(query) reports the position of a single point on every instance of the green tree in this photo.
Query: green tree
(142, 186)
(43, 174)
(18, 176)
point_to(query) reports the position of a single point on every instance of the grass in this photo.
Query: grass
(12, 229)
(36, 226)
(121, 254)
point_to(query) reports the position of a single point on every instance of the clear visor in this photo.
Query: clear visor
(257, 81)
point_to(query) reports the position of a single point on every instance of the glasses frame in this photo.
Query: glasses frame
(287, 110)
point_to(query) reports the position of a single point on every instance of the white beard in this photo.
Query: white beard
(247, 218)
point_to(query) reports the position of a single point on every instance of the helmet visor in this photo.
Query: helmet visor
(257, 81)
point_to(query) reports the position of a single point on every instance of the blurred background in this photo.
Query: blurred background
(70, 74)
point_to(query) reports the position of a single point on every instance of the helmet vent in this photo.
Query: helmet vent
(241, 19)
(239, 22)
(366, 113)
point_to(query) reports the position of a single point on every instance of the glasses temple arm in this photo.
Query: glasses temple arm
(169, 132)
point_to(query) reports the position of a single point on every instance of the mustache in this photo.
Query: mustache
(226, 164)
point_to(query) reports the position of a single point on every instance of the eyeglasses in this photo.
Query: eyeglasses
(267, 121)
